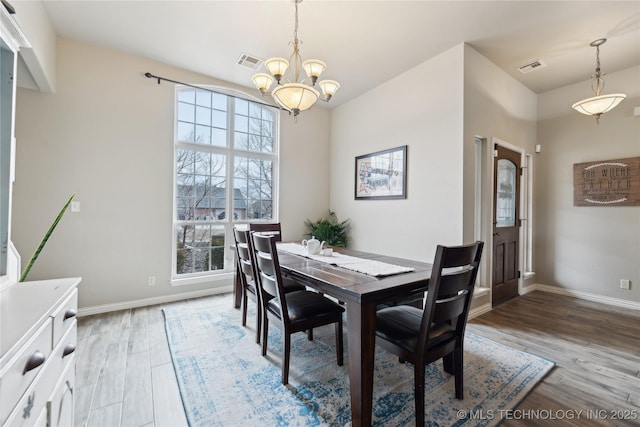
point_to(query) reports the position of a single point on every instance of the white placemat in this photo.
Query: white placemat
(361, 265)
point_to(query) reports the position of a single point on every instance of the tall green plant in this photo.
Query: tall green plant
(329, 229)
(35, 255)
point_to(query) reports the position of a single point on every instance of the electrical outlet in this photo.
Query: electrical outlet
(151, 281)
(75, 206)
(625, 284)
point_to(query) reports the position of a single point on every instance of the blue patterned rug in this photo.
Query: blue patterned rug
(224, 381)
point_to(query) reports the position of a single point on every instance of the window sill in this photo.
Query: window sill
(212, 278)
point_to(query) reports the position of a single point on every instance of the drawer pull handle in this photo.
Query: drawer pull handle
(68, 349)
(69, 314)
(36, 359)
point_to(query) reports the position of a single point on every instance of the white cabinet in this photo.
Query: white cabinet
(38, 338)
(11, 40)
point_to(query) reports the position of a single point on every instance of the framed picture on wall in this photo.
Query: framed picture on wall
(382, 175)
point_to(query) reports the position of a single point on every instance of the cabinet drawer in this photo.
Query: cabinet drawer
(24, 368)
(42, 388)
(60, 405)
(64, 352)
(63, 316)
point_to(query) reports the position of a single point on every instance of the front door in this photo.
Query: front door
(506, 224)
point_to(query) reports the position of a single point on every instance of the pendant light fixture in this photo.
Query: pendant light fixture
(598, 104)
(295, 95)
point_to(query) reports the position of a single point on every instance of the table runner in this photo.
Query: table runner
(361, 265)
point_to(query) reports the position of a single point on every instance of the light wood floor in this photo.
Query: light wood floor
(125, 376)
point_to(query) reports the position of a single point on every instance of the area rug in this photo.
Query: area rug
(224, 381)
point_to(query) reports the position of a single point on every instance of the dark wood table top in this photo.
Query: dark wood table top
(351, 286)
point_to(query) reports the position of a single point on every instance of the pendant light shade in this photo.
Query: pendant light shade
(295, 97)
(598, 104)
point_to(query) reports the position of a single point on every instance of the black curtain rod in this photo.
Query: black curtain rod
(152, 76)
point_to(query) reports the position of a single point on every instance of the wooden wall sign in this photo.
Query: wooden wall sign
(607, 183)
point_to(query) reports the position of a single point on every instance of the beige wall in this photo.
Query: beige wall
(107, 135)
(586, 249)
(421, 108)
(40, 57)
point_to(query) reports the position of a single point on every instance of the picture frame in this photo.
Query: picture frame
(381, 175)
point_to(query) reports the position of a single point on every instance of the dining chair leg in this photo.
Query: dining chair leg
(458, 368)
(258, 323)
(285, 357)
(244, 309)
(265, 333)
(339, 343)
(418, 380)
(447, 363)
(310, 334)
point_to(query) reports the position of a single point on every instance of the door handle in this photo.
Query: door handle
(496, 234)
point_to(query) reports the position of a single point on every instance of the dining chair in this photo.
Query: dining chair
(246, 275)
(273, 229)
(290, 312)
(423, 336)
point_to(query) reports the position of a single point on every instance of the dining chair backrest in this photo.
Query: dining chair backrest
(272, 229)
(243, 247)
(268, 269)
(450, 292)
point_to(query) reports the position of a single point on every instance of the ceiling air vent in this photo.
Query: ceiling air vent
(527, 68)
(249, 61)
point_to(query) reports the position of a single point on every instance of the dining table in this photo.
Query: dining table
(362, 294)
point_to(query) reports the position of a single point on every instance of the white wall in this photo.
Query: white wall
(421, 108)
(495, 106)
(107, 135)
(40, 58)
(584, 248)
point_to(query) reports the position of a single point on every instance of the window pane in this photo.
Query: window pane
(241, 123)
(186, 112)
(241, 141)
(203, 116)
(255, 110)
(242, 107)
(253, 192)
(203, 135)
(506, 194)
(219, 137)
(199, 248)
(187, 95)
(219, 119)
(206, 205)
(217, 248)
(203, 97)
(220, 101)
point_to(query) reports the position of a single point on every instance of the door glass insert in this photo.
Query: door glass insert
(506, 194)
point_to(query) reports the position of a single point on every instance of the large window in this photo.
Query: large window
(225, 173)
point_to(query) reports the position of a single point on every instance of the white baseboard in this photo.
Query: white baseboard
(104, 308)
(485, 308)
(582, 295)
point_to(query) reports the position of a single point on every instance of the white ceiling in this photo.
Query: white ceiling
(364, 43)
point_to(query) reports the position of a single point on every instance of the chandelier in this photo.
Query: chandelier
(599, 104)
(295, 95)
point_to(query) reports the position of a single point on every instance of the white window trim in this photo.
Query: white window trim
(228, 272)
(484, 206)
